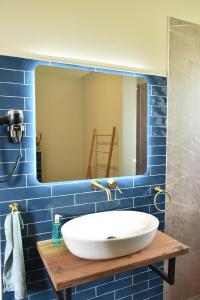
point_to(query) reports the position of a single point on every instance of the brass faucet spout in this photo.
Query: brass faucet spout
(96, 186)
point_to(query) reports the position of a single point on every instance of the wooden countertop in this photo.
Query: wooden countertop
(67, 270)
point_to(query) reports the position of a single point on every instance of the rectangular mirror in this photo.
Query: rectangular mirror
(89, 124)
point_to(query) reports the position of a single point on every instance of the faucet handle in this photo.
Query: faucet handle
(95, 185)
(112, 184)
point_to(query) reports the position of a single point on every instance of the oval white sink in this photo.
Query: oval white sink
(109, 234)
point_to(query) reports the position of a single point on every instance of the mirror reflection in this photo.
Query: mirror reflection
(89, 124)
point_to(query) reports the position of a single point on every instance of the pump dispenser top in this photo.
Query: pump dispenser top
(57, 219)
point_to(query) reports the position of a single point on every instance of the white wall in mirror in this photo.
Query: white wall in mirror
(70, 104)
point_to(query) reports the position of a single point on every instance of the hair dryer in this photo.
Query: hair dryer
(15, 130)
(15, 126)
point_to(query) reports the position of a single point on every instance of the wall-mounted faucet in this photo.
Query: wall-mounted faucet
(112, 184)
(96, 186)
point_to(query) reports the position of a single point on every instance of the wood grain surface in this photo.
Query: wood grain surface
(67, 270)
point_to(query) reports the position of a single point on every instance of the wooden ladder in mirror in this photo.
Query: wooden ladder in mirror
(93, 149)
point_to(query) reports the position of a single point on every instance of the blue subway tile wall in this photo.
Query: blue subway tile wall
(39, 202)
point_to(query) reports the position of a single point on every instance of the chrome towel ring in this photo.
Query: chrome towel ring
(159, 191)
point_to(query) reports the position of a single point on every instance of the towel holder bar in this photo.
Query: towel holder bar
(14, 207)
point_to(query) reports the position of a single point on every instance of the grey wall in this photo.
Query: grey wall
(183, 165)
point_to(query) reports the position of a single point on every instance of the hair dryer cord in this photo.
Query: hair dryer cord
(7, 177)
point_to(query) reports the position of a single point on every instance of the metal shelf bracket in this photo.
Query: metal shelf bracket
(169, 277)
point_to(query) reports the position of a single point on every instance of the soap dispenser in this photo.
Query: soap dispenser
(56, 230)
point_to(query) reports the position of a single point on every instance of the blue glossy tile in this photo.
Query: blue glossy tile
(11, 76)
(157, 121)
(140, 270)
(78, 210)
(133, 192)
(29, 77)
(158, 101)
(39, 286)
(16, 180)
(109, 296)
(50, 202)
(87, 294)
(33, 253)
(10, 296)
(155, 282)
(157, 141)
(159, 131)
(11, 103)
(156, 170)
(159, 111)
(17, 63)
(23, 233)
(4, 206)
(25, 193)
(23, 168)
(26, 143)
(30, 154)
(29, 103)
(41, 227)
(34, 264)
(71, 188)
(114, 205)
(124, 275)
(29, 117)
(36, 275)
(149, 110)
(91, 197)
(106, 288)
(149, 130)
(30, 130)
(10, 155)
(144, 208)
(140, 201)
(161, 226)
(124, 182)
(3, 131)
(159, 90)
(157, 160)
(36, 216)
(49, 294)
(149, 180)
(88, 285)
(18, 90)
(144, 276)
(159, 215)
(131, 290)
(161, 205)
(148, 293)
(157, 297)
(30, 241)
(158, 150)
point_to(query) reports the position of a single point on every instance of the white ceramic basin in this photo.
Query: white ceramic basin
(109, 234)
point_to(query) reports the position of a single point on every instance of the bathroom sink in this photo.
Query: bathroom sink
(111, 234)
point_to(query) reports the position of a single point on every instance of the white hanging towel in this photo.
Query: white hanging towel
(14, 275)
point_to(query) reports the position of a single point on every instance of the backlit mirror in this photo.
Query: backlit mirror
(89, 124)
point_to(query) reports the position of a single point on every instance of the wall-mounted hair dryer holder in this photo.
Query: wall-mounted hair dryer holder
(15, 131)
(15, 126)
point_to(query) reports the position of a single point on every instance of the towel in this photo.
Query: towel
(14, 275)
